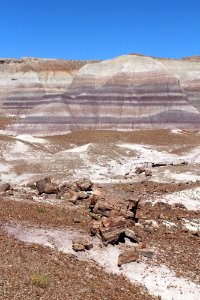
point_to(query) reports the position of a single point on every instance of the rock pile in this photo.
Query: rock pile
(113, 221)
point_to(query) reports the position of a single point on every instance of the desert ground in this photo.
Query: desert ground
(155, 170)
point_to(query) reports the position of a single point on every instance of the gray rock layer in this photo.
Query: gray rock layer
(127, 92)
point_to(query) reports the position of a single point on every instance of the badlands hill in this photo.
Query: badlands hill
(127, 92)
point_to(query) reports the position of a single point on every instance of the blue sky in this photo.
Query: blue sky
(94, 29)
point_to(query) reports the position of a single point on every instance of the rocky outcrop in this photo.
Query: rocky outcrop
(127, 92)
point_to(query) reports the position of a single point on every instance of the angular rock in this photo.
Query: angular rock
(139, 170)
(133, 203)
(84, 184)
(103, 208)
(163, 205)
(46, 186)
(93, 200)
(179, 163)
(78, 247)
(132, 236)
(81, 244)
(111, 235)
(159, 164)
(148, 173)
(4, 187)
(82, 195)
(95, 228)
(141, 245)
(118, 222)
(146, 252)
(95, 216)
(179, 205)
(127, 214)
(141, 214)
(128, 256)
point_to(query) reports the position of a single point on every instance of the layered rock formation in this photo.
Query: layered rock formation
(127, 92)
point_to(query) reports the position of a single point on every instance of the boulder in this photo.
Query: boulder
(84, 184)
(179, 205)
(4, 187)
(128, 256)
(103, 208)
(81, 244)
(145, 252)
(78, 247)
(163, 205)
(46, 186)
(111, 235)
(132, 236)
(160, 164)
(139, 170)
(133, 203)
(118, 222)
(148, 173)
(93, 200)
(141, 245)
(95, 228)
(179, 163)
(82, 195)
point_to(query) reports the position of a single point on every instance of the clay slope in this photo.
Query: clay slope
(126, 92)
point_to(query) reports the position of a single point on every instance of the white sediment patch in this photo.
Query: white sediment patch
(31, 139)
(176, 131)
(17, 150)
(181, 177)
(190, 198)
(15, 179)
(169, 224)
(4, 167)
(192, 225)
(158, 280)
(149, 154)
(79, 149)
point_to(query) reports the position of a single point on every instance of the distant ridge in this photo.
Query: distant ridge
(131, 91)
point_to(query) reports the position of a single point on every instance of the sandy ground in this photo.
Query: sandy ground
(104, 156)
(36, 232)
(159, 280)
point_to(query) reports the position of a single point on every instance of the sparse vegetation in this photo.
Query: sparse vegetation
(41, 210)
(39, 280)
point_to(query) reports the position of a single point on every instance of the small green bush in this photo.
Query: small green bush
(40, 280)
(41, 209)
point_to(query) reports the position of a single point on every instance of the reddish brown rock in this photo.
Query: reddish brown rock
(46, 186)
(146, 252)
(103, 208)
(4, 187)
(81, 244)
(132, 235)
(148, 173)
(95, 227)
(93, 200)
(84, 184)
(128, 256)
(139, 170)
(111, 235)
(114, 222)
(82, 195)
(141, 245)
(78, 247)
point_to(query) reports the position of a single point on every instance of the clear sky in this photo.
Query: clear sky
(99, 29)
